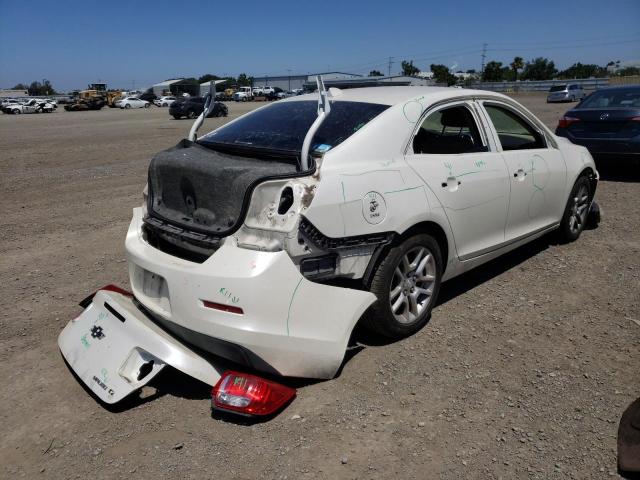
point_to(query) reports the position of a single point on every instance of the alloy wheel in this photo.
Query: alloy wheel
(579, 210)
(412, 285)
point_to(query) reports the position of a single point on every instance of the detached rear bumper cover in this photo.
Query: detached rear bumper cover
(297, 327)
(115, 349)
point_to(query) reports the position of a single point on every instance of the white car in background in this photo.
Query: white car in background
(30, 106)
(164, 101)
(567, 92)
(267, 240)
(131, 102)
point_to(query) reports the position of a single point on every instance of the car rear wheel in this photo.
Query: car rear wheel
(191, 114)
(127, 106)
(576, 212)
(406, 285)
(177, 117)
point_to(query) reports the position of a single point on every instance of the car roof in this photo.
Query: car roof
(395, 95)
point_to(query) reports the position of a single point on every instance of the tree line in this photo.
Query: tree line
(37, 88)
(539, 68)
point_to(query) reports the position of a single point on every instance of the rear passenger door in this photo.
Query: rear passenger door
(537, 171)
(452, 154)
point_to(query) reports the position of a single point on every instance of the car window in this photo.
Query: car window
(513, 131)
(558, 88)
(448, 131)
(283, 126)
(613, 98)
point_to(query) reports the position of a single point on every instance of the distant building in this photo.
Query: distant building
(294, 82)
(8, 92)
(204, 87)
(177, 86)
(428, 75)
(465, 75)
(359, 82)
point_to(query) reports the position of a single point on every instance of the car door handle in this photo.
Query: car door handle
(520, 174)
(452, 184)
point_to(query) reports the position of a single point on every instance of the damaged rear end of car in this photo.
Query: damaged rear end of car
(221, 256)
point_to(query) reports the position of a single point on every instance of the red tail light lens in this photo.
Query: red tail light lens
(249, 395)
(566, 121)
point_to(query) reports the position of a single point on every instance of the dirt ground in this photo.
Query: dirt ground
(522, 372)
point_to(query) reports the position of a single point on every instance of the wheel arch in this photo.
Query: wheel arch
(591, 176)
(429, 227)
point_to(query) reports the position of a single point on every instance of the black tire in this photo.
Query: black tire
(381, 318)
(177, 117)
(146, 105)
(191, 114)
(127, 106)
(576, 211)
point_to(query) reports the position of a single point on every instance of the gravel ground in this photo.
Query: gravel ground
(522, 372)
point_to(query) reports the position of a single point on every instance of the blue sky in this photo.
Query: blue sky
(146, 42)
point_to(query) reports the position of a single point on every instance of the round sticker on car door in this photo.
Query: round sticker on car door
(374, 208)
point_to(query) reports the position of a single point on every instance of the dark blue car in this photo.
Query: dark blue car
(607, 122)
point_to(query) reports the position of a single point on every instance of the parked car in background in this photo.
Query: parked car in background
(191, 107)
(131, 102)
(164, 101)
(9, 101)
(569, 92)
(148, 96)
(257, 91)
(31, 106)
(607, 122)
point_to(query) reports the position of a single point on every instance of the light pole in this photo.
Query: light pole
(289, 71)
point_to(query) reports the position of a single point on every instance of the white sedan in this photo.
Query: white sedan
(164, 101)
(326, 212)
(132, 102)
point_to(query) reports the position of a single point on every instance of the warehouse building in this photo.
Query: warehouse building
(204, 87)
(293, 82)
(360, 81)
(177, 87)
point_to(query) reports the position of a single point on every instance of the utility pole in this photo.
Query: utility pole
(391, 62)
(289, 72)
(484, 55)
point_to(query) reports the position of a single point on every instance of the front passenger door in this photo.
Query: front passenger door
(451, 153)
(537, 172)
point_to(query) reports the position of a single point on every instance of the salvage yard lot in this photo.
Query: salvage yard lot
(522, 372)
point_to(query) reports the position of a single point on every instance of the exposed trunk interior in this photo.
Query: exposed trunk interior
(202, 190)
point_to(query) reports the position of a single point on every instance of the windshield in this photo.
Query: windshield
(620, 98)
(558, 88)
(283, 126)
